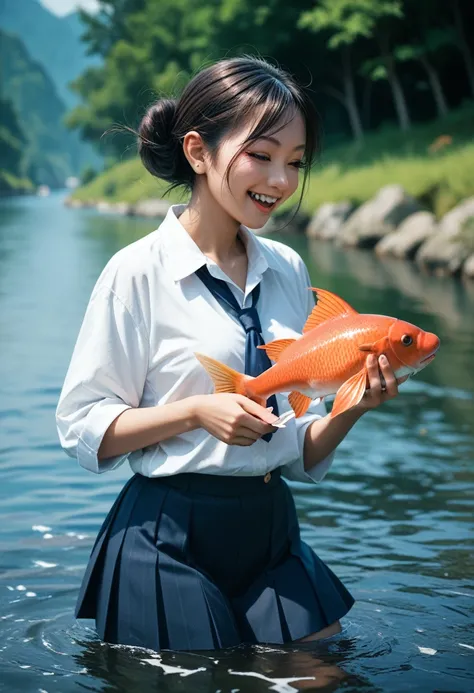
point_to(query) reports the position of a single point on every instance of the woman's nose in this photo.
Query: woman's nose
(278, 179)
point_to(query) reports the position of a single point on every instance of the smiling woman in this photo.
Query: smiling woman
(202, 548)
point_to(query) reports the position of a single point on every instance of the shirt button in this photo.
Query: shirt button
(267, 477)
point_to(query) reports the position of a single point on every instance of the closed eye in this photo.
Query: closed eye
(260, 157)
(264, 157)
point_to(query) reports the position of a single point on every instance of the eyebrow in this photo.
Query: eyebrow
(274, 140)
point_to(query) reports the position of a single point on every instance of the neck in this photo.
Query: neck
(211, 228)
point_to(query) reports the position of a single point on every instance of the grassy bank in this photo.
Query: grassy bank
(352, 171)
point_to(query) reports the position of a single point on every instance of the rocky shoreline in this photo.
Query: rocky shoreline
(392, 224)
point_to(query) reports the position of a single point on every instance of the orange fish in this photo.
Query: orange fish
(330, 357)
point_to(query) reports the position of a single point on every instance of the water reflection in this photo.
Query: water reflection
(243, 669)
(393, 517)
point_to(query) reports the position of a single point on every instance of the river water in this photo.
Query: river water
(394, 517)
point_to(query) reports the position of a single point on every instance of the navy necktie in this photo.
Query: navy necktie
(256, 360)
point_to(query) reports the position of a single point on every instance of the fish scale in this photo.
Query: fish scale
(328, 354)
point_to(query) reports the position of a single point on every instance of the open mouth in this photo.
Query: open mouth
(427, 359)
(265, 203)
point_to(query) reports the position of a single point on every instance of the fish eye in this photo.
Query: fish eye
(407, 340)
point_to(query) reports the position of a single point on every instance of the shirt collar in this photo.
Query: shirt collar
(186, 257)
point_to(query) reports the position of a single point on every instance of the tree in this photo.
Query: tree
(463, 44)
(423, 51)
(346, 22)
(157, 47)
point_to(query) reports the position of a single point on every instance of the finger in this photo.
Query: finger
(256, 410)
(391, 387)
(242, 441)
(374, 376)
(256, 425)
(244, 432)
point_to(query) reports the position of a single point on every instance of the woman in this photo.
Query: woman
(202, 550)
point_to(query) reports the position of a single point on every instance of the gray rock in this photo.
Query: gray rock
(377, 217)
(150, 208)
(444, 253)
(74, 204)
(105, 207)
(408, 237)
(328, 219)
(468, 268)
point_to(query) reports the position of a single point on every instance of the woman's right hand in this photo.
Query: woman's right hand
(233, 419)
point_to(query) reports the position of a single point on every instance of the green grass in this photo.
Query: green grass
(348, 171)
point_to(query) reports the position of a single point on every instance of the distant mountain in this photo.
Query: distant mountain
(52, 152)
(52, 41)
(12, 147)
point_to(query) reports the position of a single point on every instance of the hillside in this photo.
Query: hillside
(12, 144)
(54, 42)
(52, 152)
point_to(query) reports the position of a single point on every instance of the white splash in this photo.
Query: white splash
(281, 685)
(21, 588)
(469, 647)
(41, 528)
(47, 536)
(427, 650)
(43, 564)
(30, 594)
(156, 662)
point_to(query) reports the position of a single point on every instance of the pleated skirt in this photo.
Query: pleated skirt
(204, 562)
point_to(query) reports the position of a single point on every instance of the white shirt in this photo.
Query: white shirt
(147, 315)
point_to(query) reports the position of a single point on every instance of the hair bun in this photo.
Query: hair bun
(158, 145)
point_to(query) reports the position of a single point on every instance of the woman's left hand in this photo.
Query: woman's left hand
(383, 385)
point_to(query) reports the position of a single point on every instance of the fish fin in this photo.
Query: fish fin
(328, 306)
(350, 393)
(376, 346)
(225, 378)
(299, 402)
(276, 348)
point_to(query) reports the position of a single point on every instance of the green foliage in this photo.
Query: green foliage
(151, 49)
(88, 175)
(348, 171)
(12, 143)
(347, 20)
(12, 139)
(124, 182)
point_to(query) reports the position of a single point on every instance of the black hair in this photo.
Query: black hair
(216, 101)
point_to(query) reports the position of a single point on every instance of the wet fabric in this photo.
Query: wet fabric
(201, 562)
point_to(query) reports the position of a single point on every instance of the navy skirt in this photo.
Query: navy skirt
(203, 562)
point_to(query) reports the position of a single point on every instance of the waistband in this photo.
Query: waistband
(221, 485)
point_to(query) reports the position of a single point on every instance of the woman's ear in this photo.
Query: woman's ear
(194, 151)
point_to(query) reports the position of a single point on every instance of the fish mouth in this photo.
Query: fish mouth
(427, 360)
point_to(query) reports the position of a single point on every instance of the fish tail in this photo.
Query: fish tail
(225, 378)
